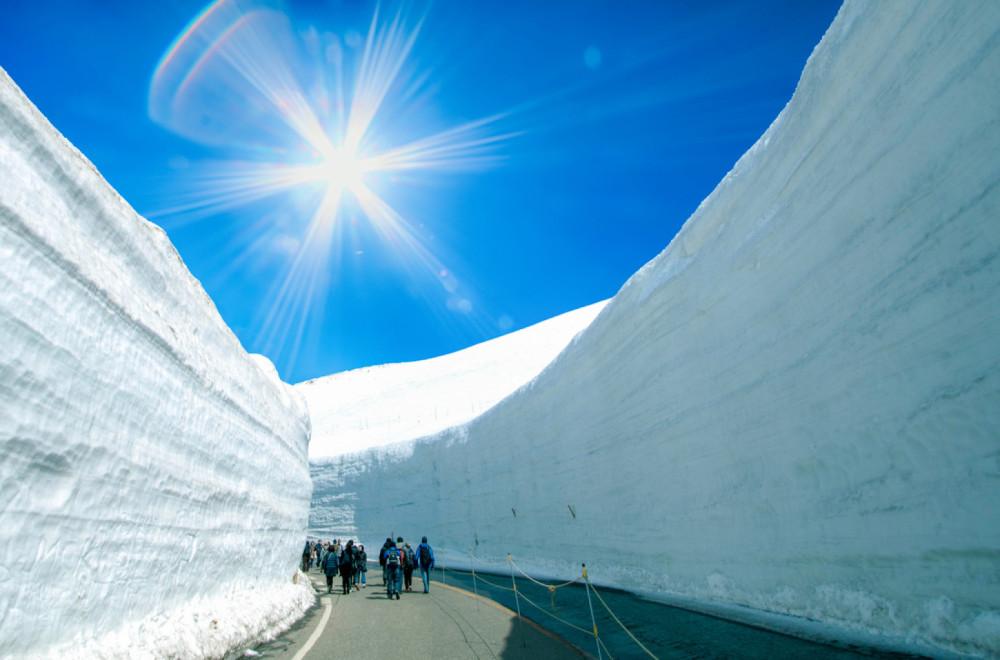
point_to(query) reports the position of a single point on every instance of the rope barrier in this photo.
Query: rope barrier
(605, 647)
(497, 586)
(592, 618)
(617, 620)
(516, 600)
(602, 649)
(559, 619)
(486, 563)
(542, 584)
(551, 587)
(474, 585)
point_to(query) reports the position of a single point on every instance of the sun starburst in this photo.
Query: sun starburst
(298, 113)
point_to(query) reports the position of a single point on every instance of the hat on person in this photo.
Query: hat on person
(423, 540)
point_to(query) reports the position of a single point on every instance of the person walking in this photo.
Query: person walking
(399, 573)
(381, 559)
(305, 557)
(330, 569)
(409, 563)
(363, 562)
(425, 557)
(356, 564)
(347, 566)
(392, 565)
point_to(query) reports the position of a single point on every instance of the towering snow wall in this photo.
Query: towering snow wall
(154, 488)
(382, 405)
(389, 404)
(795, 408)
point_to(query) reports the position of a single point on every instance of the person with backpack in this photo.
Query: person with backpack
(425, 557)
(334, 559)
(322, 550)
(393, 560)
(347, 566)
(305, 557)
(409, 563)
(381, 559)
(330, 569)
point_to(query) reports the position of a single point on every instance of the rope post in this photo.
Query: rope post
(517, 601)
(474, 586)
(591, 606)
(514, 582)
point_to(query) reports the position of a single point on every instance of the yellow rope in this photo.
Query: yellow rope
(551, 587)
(605, 647)
(601, 600)
(480, 578)
(546, 613)
(486, 563)
(542, 584)
(552, 590)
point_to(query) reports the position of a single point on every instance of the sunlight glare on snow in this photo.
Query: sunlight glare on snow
(298, 116)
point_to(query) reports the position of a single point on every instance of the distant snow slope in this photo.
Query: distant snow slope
(796, 407)
(154, 488)
(370, 407)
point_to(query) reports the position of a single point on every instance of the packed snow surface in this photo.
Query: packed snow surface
(154, 484)
(795, 408)
(375, 406)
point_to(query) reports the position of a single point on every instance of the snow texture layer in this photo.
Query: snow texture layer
(376, 406)
(154, 488)
(795, 408)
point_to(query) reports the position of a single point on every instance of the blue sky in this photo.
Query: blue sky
(496, 164)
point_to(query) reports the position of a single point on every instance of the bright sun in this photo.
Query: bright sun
(236, 55)
(341, 170)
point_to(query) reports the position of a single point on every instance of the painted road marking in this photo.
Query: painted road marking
(313, 638)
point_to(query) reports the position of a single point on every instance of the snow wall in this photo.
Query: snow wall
(795, 408)
(154, 484)
(375, 406)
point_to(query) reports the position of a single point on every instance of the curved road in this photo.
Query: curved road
(446, 623)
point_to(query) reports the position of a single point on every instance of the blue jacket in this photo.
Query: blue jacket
(429, 549)
(399, 556)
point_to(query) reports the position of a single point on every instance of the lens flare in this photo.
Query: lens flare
(298, 114)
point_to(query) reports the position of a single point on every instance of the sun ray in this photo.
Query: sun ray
(385, 53)
(235, 79)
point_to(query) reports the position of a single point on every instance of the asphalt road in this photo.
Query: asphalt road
(467, 617)
(448, 622)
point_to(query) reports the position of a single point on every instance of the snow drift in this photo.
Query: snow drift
(795, 408)
(154, 488)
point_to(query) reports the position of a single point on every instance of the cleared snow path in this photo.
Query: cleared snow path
(446, 623)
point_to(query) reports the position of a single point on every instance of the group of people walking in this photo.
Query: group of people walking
(349, 561)
(397, 559)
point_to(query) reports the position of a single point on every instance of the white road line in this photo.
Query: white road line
(316, 633)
